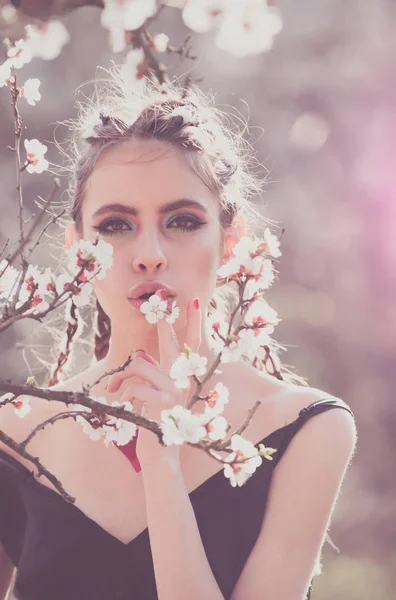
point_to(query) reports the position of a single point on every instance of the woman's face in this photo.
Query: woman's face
(128, 199)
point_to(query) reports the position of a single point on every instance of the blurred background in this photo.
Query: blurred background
(321, 105)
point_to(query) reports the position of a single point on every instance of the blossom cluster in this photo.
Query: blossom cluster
(248, 267)
(242, 28)
(41, 287)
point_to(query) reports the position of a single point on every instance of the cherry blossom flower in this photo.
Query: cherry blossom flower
(127, 14)
(117, 39)
(240, 472)
(203, 15)
(47, 40)
(185, 366)
(261, 315)
(7, 280)
(81, 293)
(249, 262)
(156, 308)
(233, 351)
(216, 427)
(119, 430)
(249, 28)
(30, 91)
(95, 258)
(94, 433)
(179, 425)
(132, 69)
(216, 400)
(19, 54)
(5, 73)
(272, 244)
(35, 151)
(113, 429)
(160, 41)
(22, 407)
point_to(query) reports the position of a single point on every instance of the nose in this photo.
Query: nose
(149, 256)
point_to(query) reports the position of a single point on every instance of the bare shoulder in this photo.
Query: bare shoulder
(286, 400)
(334, 428)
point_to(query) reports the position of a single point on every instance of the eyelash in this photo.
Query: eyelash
(102, 227)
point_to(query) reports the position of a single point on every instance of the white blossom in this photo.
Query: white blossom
(179, 425)
(248, 260)
(22, 407)
(249, 28)
(174, 313)
(8, 279)
(19, 54)
(127, 14)
(97, 259)
(47, 40)
(130, 67)
(216, 400)
(240, 472)
(117, 39)
(117, 430)
(231, 353)
(187, 366)
(154, 308)
(216, 426)
(30, 290)
(261, 316)
(5, 73)
(272, 244)
(161, 41)
(30, 91)
(35, 151)
(203, 15)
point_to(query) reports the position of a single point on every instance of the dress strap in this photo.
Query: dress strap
(306, 413)
(322, 405)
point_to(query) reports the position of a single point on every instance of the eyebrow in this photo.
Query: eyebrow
(131, 210)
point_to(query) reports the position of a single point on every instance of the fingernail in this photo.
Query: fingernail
(106, 386)
(196, 303)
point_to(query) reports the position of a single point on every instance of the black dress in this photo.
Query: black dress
(61, 554)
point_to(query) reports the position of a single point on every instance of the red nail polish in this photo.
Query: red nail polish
(196, 303)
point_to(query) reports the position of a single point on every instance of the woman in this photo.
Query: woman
(159, 176)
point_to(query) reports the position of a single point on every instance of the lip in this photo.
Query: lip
(137, 303)
(149, 286)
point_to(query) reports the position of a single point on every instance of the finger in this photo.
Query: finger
(168, 344)
(193, 333)
(142, 393)
(139, 367)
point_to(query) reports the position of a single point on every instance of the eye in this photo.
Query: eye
(181, 222)
(195, 223)
(103, 227)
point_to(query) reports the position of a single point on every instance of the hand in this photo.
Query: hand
(157, 392)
